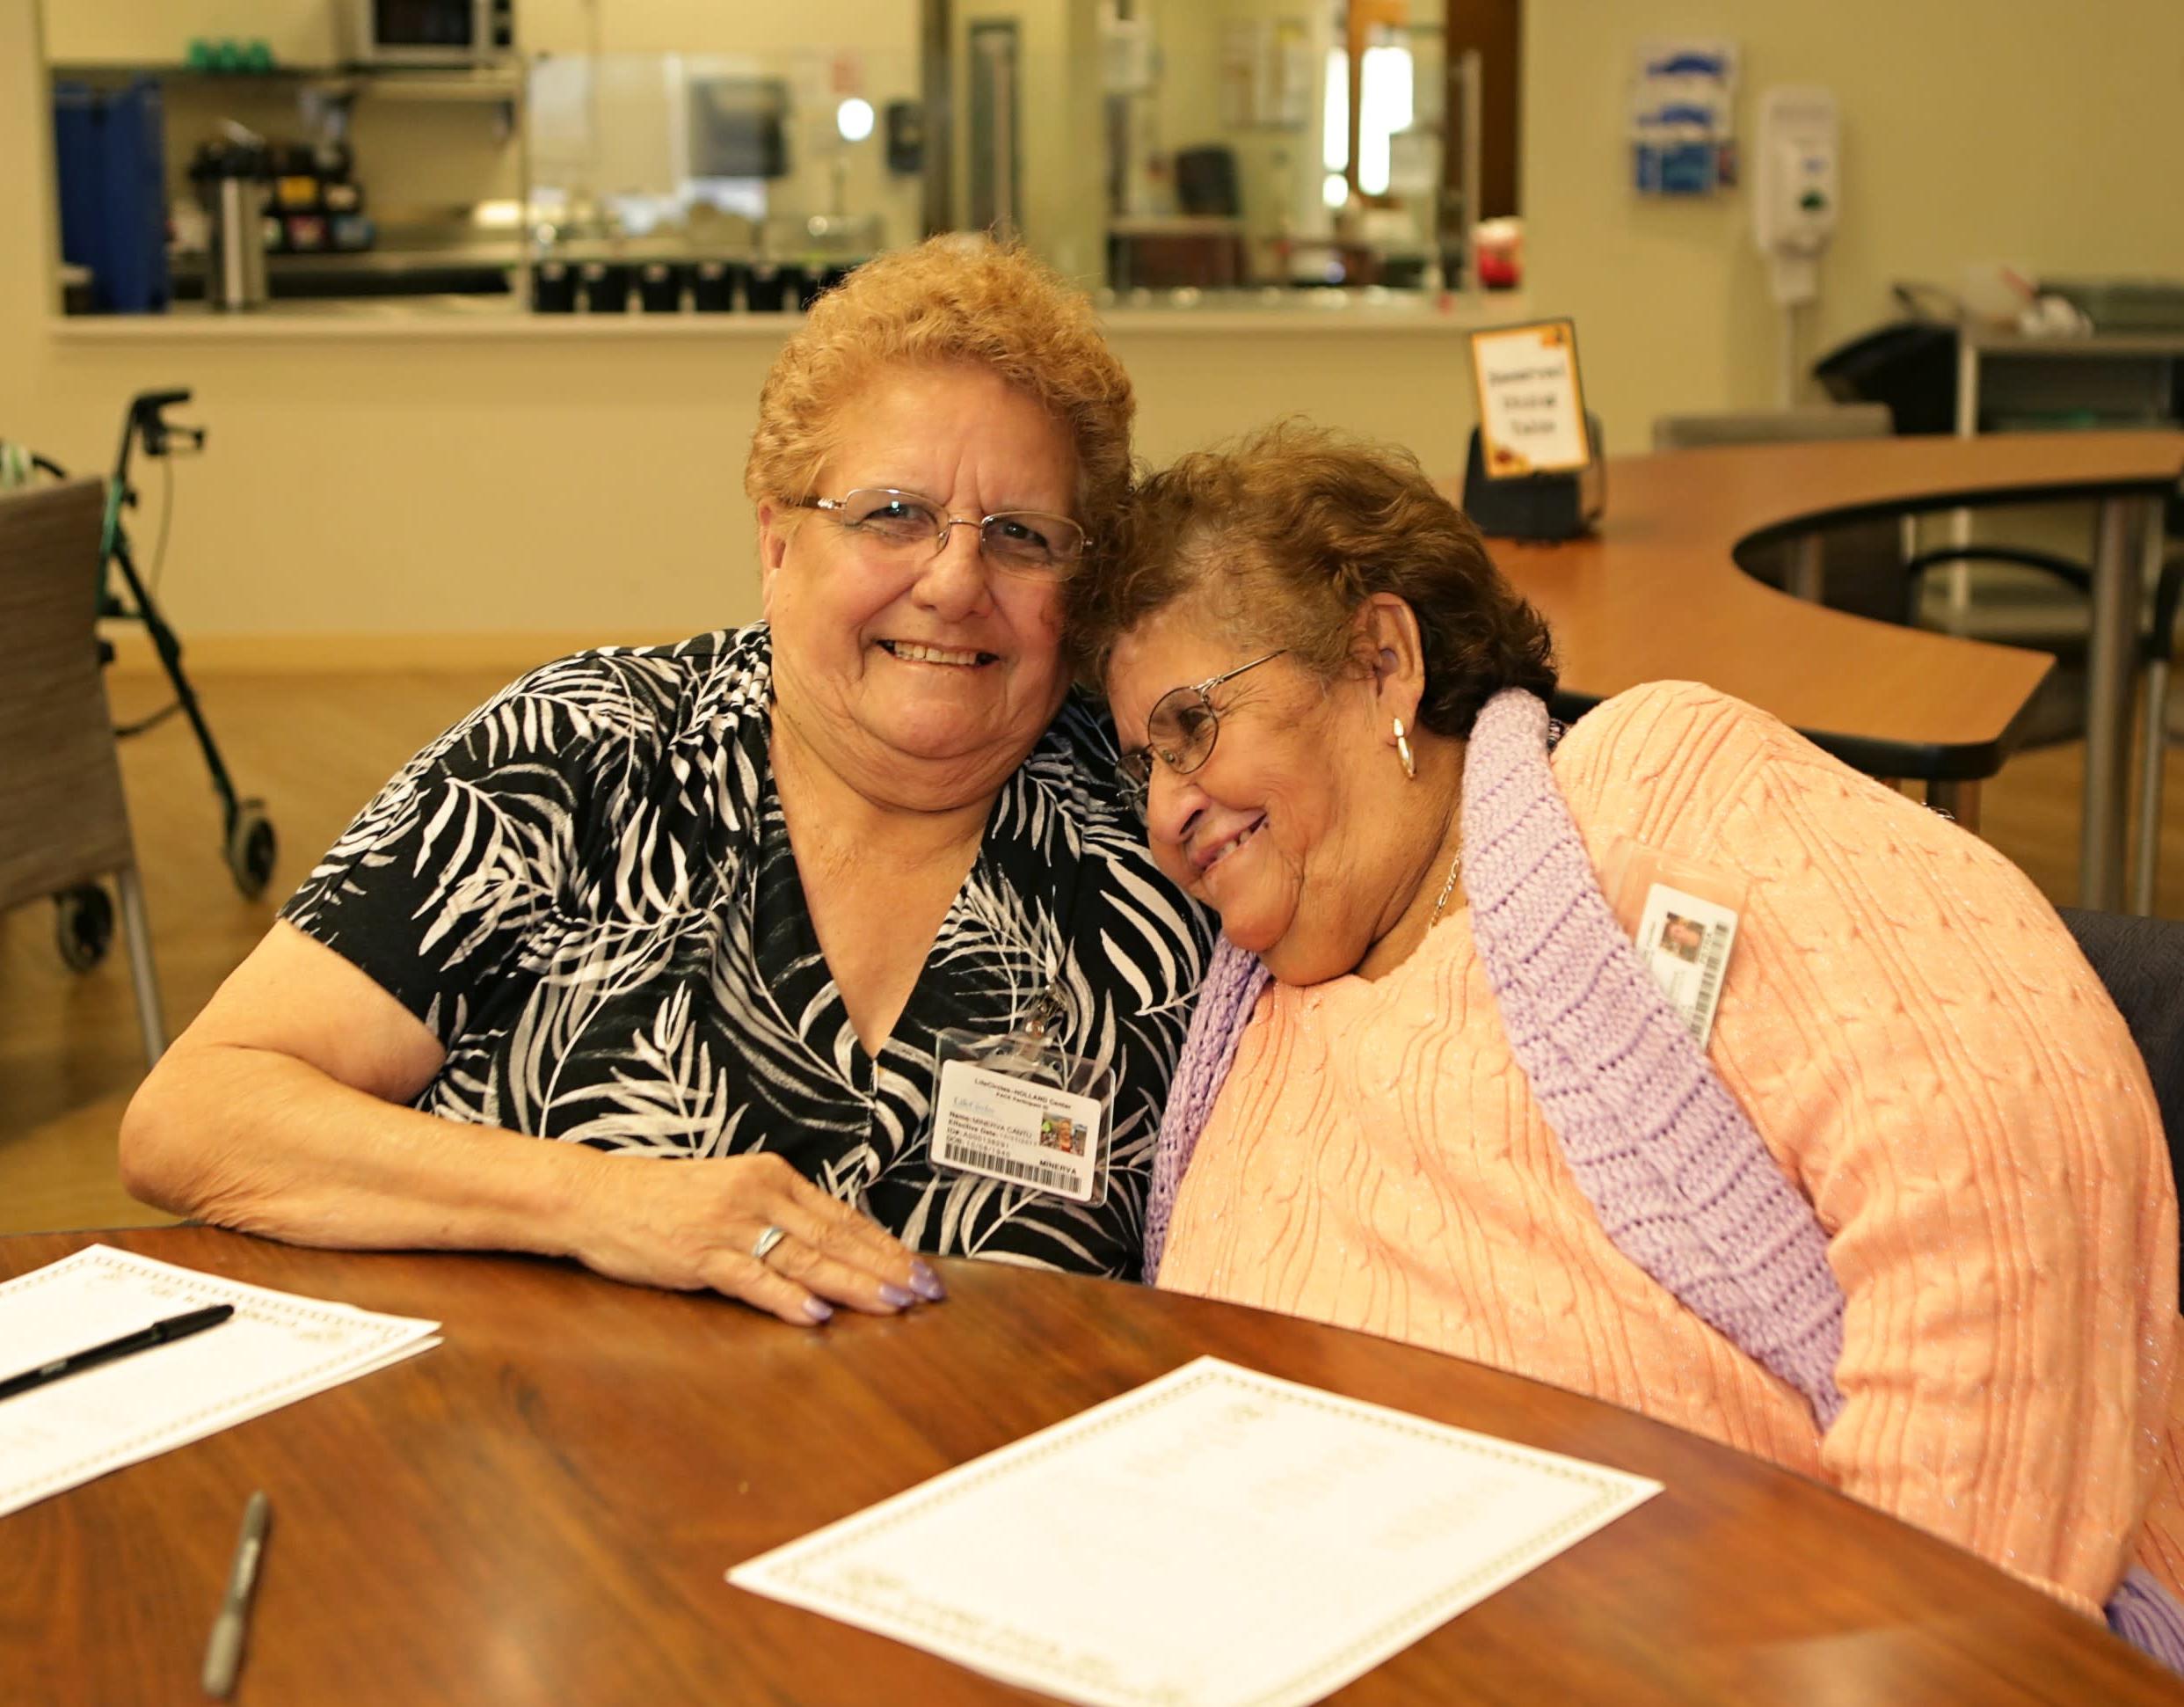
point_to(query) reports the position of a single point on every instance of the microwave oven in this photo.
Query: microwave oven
(432, 32)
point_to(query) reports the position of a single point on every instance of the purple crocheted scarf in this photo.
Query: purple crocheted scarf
(1682, 1182)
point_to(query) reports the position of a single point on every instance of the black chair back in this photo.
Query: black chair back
(2141, 963)
(1206, 182)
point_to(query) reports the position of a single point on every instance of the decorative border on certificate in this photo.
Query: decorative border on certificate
(921, 1568)
(1532, 404)
(300, 1347)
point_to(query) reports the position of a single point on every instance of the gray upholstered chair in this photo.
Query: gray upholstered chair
(2141, 963)
(2155, 652)
(63, 821)
(1803, 425)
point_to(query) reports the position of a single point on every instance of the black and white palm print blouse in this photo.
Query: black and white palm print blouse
(586, 889)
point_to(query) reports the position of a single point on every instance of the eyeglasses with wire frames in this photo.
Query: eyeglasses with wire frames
(1180, 730)
(889, 524)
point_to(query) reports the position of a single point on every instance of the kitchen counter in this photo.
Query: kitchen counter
(1279, 313)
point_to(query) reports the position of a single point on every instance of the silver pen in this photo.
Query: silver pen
(223, 1654)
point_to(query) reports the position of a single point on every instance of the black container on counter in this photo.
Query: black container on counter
(659, 287)
(715, 285)
(312, 201)
(553, 288)
(606, 286)
(773, 288)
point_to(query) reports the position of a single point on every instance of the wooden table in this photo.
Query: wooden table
(542, 1509)
(1657, 594)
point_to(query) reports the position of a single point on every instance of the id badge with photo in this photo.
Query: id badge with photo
(1021, 1109)
(1683, 918)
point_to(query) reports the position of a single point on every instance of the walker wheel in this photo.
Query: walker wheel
(83, 926)
(252, 846)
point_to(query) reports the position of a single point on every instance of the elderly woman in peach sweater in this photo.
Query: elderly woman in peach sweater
(1903, 1221)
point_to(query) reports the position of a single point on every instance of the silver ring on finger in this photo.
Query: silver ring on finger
(762, 1247)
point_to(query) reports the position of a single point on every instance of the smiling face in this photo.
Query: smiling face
(921, 680)
(1285, 829)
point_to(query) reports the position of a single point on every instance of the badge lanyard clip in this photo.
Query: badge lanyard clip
(1022, 1109)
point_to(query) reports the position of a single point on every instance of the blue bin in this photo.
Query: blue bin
(110, 147)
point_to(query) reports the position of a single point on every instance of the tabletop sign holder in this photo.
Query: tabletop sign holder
(1535, 469)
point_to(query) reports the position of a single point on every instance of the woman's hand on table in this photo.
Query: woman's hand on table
(687, 1225)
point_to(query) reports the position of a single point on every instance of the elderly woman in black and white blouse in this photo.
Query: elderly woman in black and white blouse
(710, 913)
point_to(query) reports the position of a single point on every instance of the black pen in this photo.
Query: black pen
(174, 1327)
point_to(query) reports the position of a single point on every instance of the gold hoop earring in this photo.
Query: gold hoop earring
(1402, 752)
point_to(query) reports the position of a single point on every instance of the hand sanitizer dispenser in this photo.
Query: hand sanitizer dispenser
(1793, 198)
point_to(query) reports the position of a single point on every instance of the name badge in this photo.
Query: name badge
(1022, 1110)
(1682, 917)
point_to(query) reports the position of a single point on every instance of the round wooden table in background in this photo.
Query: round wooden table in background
(1656, 594)
(542, 1510)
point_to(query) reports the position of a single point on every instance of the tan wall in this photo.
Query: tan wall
(795, 41)
(1060, 151)
(1280, 172)
(308, 32)
(418, 156)
(562, 486)
(409, 156)
(593, 486)
(87, 32)
(2010, 130)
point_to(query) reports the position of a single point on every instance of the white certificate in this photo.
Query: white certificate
(1215, 1538)
(275, 1349)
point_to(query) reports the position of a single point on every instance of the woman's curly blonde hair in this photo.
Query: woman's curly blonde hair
(951, 299)
(1283, 536)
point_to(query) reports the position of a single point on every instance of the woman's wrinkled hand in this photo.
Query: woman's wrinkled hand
(687, 1225)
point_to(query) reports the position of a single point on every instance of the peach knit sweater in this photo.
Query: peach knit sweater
(1923, 1051)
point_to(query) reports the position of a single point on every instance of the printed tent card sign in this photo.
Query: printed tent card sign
(1531, 410)
(1534, 470)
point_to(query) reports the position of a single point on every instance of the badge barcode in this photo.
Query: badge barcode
(1710, 978)
(1032, 1173)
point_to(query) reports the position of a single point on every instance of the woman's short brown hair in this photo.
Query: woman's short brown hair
(951, 299)
(1285, 536)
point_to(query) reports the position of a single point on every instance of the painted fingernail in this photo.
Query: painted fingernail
(897, 1296)
(926, 1282)
(819, 1309)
